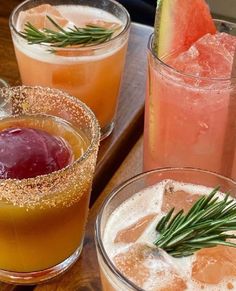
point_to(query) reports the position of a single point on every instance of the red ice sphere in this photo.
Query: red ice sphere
(28, 152)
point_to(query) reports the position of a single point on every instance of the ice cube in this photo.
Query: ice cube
(133, 232)
(179, 200)
(213, 265)
(210, 56)
(37, 16)
(149, 268)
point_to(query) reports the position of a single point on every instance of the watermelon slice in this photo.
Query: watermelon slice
(179, 23)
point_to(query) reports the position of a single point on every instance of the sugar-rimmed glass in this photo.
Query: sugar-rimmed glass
(42, 219)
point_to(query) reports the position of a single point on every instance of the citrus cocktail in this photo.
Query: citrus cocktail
(48, 155)
(92, 72)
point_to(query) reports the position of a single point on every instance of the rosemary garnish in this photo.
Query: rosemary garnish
(206, 224)
(89, 35)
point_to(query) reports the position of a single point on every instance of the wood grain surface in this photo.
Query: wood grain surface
(129, 122)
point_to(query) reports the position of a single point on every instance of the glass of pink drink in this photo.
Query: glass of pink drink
(190, 106)
(125, 235)
(91, 73)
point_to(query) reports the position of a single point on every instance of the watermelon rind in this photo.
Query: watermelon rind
(179, 23)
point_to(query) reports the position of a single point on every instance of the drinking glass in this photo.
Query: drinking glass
(42, 219)
(91, 73)
(112, 279)
(189, 120)
(3, 83)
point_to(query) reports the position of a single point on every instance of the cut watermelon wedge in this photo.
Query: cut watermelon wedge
(179, 23)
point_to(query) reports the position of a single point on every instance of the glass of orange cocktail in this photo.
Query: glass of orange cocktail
(90, 72)
(49, 142)
(126, 233)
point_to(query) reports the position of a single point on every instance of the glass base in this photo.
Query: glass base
(107, 130)
(32, 278)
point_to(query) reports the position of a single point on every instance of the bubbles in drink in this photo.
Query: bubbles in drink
(129, 242)
(67, 16)
(149, 267)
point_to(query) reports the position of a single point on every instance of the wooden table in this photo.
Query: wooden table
(113, 163)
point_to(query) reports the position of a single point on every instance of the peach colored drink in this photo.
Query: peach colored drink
(128, 237)
(92, 74)
(188, 107)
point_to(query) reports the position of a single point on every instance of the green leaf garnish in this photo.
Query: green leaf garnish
(89, 35)
(206, 224)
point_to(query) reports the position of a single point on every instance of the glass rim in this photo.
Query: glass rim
(4, 83)
(95, 132)
(79, 48)
(114, 192)
(178, 72)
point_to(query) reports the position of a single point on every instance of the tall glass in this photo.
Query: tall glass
(42, 219)
(189, 121)
(112, 278)
(92, 74)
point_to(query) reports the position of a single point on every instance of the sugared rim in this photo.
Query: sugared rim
(82, 48)
(116, 190)
(180, 73)
(95, 128)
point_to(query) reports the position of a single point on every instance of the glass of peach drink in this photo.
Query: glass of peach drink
(92, 72)
(126, 233)
(49, 142)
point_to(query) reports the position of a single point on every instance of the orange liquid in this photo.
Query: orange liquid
(93, 76)
(38, 236)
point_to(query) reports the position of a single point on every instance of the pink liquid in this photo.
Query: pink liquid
(186, 118)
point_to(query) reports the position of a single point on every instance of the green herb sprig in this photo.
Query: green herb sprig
(206, 224)
(88, 35)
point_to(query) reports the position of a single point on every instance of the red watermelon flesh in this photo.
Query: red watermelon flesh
(179, 23)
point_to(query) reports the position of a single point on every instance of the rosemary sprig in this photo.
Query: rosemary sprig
(206, 224)
(88, 35)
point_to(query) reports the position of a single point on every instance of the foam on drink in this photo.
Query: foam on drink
(71, 15)
(153, 269)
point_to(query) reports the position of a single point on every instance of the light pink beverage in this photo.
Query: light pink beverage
(189, 107)
(126, 232)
